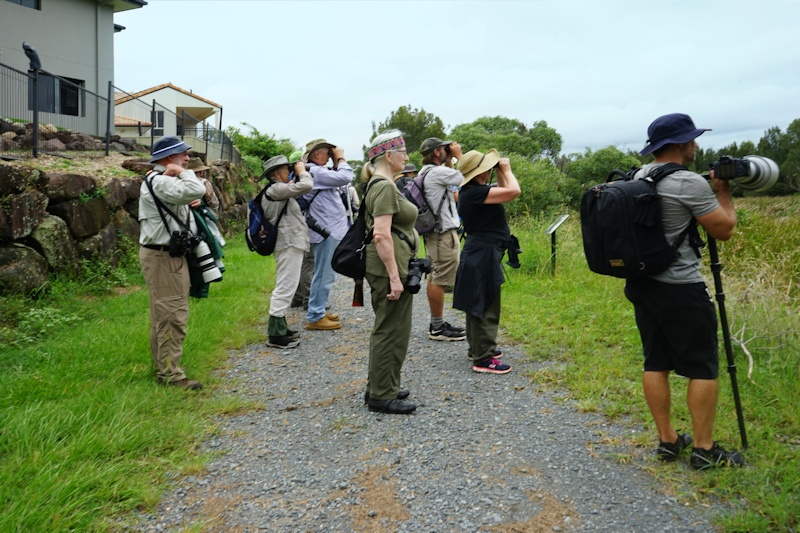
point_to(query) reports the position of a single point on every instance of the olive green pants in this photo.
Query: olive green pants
(482, 333)
(388, 343)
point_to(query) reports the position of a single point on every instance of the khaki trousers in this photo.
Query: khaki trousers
(288, 262)
(482, 334)
(167, 280)
(388, 343)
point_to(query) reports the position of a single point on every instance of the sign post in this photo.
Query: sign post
(552, 232)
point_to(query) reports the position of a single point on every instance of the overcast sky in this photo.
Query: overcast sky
(597, 71)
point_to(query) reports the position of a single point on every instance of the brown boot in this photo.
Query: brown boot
(323, 323)
(184, 383)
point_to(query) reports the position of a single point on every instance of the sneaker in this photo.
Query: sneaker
(491, 366)
(292, 334)
(283, 343)
(402, 394)
(670, 451)
(717, 456)
(457, 329)
(445, 333)
(323, 324)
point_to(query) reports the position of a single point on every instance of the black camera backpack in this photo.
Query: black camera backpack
(623, 234)
(260, 234)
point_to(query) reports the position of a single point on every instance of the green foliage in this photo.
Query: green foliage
(260, 145)
(508, 136)
(545, 190)
(593, 167)
(97, 192)
(416, 125)
(34, 324)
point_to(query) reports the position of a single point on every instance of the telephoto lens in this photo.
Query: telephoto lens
(208, 266)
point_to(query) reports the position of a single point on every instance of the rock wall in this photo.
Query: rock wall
(51, 220)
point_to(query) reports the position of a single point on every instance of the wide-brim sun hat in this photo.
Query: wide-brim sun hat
(273, 163)
(196, 164)
(167, 146)
(675, 128)
(409, 168)
(474, 163)
(315, 144)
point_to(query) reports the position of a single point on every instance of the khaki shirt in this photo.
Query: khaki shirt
(292, 230)
(176, 192)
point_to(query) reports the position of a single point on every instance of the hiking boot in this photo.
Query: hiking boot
(284, 342)
(491, 366)
(323, 324)
(670, 451)
(392, 407)
(402, 394)
(292, 334)
(715, 457)
(333, 317)
(184, 383)
(445, 333)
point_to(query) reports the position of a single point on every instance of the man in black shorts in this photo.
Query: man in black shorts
(674, 310)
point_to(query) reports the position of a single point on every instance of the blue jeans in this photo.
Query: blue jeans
(323, 279)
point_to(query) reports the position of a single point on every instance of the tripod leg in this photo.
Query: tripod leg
(716, 269)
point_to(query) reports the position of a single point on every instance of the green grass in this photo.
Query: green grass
(86, 432)
(583, 323)
(86, 435)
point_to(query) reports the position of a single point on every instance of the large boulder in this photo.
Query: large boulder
(53, 239)
(127, 226)
(22, 270)
(101, 245)
(63, 187)
(20, 213)
(138, 165)
(83, 218)
(115, 193)
(17, 179)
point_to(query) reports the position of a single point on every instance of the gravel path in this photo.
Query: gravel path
(482, 452)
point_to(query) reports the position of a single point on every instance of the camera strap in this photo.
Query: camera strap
(162, 207)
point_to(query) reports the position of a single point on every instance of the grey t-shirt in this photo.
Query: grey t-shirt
(684, 195)
(441, 180)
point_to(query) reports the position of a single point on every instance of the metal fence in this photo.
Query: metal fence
(47, 114)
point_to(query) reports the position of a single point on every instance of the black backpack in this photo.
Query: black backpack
(260, 234)
(623, 234)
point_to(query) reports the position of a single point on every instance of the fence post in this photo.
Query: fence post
(35, 79)
(183, 123)
(152, 124)
(205, 136)
(109, 114)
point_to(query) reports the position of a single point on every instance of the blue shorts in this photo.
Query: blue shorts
(678, 327)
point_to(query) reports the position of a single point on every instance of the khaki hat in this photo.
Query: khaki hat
(313, 145)
(474, 163)
(196, 164)
(272, 164)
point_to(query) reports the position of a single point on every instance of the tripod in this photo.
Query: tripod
(716, 269)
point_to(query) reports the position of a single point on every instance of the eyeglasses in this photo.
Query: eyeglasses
(400, 151)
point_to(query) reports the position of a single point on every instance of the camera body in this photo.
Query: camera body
(728, 168)
(751, 173)
(313, 224)
(417, 267)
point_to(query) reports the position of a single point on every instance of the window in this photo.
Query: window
(158, 124)
(33, 4)
(64, 96)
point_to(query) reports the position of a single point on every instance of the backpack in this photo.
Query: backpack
(350, 256)
(261, 235)
(414, 192)
(623, 234)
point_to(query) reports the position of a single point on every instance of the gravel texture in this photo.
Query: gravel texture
(482, 452)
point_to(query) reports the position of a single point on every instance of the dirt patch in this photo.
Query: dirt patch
(554, 516)
(99, 166)
(380, 509)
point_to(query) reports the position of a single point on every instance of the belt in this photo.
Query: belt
(158, 247)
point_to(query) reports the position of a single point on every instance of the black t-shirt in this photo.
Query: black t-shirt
(485, 220)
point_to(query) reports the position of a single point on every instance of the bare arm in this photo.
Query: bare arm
(507, 186)
(720, 222)
(382, 236)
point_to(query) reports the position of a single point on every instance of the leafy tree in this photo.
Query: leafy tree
(416, 125)
(593, 167)
(508, 136)
(261, 145)
(545, 190)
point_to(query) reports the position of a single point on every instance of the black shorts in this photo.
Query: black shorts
(678, 327)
